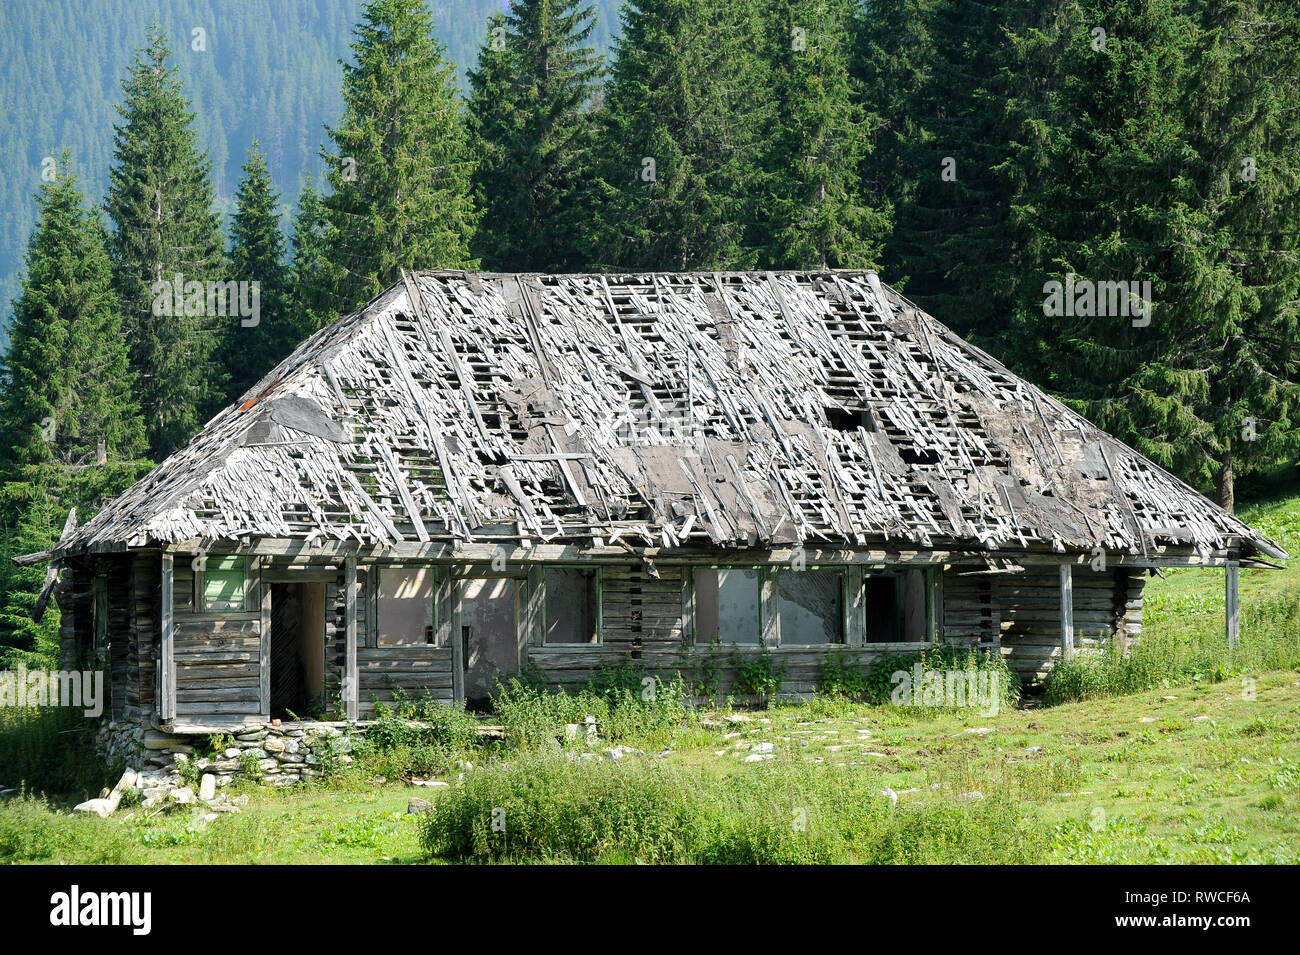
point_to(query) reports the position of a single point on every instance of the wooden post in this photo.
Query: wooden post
(457, 638)
(933, 604)
(1232, 617)
(350, 637)
(264, 593)
(855, 607)
(1067, 611)
(167, 681)
(770, 607)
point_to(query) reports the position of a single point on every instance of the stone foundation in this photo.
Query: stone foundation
(279, 755)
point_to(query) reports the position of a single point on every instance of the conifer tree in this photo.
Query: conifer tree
(312, 276)
(532, 130)
(821, 135)
(70, 428)
(401, 167)
(257, 256)
(945, 75)
(1235, 356)
(160, 201)
(1106, 203)
(679, 170)
(67, 387)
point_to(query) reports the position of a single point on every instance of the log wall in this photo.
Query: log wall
(646, 622)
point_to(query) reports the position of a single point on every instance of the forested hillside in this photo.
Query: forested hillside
(266, 69)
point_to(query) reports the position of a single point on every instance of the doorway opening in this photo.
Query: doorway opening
(297, 649)
(489, 635)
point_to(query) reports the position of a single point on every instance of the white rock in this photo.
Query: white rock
(973, 796)
(232, 752)
(103, 808)
(763, 748)
(431, 783)
(182, 795)
(892, 796)
(207, 787)
(758, 757)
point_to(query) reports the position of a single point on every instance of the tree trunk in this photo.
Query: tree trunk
(1225, 497)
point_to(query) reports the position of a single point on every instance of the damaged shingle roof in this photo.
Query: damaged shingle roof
(740, 409)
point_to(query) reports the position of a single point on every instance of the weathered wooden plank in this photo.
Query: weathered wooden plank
(350, 637)
(167, 708)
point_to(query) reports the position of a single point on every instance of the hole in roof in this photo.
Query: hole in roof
(847, 419)
(919, 455)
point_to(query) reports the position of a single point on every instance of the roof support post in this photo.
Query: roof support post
(1067, 611)
(350, 637)
(264, 605)
(1232, 615)
(770, 608)
(167, 656)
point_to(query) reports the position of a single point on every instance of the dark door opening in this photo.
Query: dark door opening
(489, 635)
(297, 650)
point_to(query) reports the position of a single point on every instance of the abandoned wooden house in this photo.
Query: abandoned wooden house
(477, 473)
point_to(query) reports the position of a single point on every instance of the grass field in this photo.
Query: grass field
(1180, 753)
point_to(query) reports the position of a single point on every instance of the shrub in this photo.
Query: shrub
(548, 808)
(426, 741)
(757, 674)
(51, 750)
(873, 683)
(651, 713)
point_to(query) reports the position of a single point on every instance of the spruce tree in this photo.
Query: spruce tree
(312, 275)
(1106, 202)
(257, 255)
(70, 428)
(1235, 358)
(161, 203)
(531, 125)
(401, 167)
(679, 170)
(34, 525)
(944, 75)
(67, 389)
(820, 137)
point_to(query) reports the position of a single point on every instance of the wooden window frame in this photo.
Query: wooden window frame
(200, 603)
(762, 571)
(599, 582)
(375, 580)
(845, 629)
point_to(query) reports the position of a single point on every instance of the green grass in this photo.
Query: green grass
(1135, 779)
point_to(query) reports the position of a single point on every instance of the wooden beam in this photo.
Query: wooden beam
(350, 638)
(167, 666)
(1232, 616)
(1067, 610)
(488, 543)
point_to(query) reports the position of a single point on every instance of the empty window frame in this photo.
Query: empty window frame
(405, 611)
(572, 605)
(224, 584)
(728, 605)
(811, 606)
(896, 608)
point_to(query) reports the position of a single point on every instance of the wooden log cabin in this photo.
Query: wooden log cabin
(479, 472)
